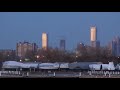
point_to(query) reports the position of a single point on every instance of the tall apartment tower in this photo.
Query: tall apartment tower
(44, 41)
(93, 34)
(115, 46)
(62, 44)
(93, 37)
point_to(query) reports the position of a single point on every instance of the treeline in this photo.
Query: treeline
(7, 56)
(86, 54)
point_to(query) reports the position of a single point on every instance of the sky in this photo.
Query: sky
(74, 27)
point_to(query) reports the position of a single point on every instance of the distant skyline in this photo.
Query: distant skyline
(74, 27)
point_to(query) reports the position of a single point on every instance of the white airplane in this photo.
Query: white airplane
(109, 66)
(30, 65)
(49, 65)
(11, 64)
(118, 66)
(64, 65)
(14, 64)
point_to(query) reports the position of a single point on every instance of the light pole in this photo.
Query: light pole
(37, 57)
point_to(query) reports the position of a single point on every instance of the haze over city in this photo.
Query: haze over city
(74, 27)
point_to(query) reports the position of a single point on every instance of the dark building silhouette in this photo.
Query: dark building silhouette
(95, 44)
(115, 46)
(62, 44)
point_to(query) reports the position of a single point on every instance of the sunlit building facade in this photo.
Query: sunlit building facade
(93, 34)
(44, 41)
(93, 38)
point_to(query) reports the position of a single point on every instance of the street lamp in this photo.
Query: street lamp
(76, 56)
(38, 56)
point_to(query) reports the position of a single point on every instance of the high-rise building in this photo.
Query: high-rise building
(93, 34)
(62, 44)
(23, 47)
(95, 44)
(115, 46)
(93, 37)
(44, 41)
(118, 45)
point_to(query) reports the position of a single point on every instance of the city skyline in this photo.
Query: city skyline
(73, 26)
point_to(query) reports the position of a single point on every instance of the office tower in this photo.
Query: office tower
(44, 41)
(93, 37)
(62, 44)
(115, 46)
(118, 45)
(93, 33)
(23, 47)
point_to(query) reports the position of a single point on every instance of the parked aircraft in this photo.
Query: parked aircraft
(109, 66)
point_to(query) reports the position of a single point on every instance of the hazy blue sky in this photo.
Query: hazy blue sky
(72, 26)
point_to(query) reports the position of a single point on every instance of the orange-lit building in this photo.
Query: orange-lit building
(44, 41)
